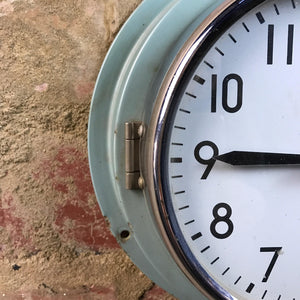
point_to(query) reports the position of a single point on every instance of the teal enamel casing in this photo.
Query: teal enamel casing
(126, 90)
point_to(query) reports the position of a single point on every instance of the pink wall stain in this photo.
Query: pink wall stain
(79, 218)
(84, 89)
(156, 293)
(12, 223)
(105, 293)
(92, 293)
(6, 8)
(42, 87)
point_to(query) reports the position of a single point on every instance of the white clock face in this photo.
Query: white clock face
(241, 223)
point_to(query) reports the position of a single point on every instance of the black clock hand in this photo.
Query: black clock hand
(248, 158)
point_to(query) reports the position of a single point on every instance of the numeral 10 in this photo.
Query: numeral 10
(233, 79)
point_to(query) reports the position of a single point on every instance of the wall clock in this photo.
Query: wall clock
(194, 139)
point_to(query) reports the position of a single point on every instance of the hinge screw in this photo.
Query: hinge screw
(141, 183)
(141, 130)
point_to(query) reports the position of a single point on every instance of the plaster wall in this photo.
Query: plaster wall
(54, 243)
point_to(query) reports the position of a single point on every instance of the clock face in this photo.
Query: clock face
(229, 165)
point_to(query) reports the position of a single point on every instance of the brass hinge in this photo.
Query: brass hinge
(133, 134)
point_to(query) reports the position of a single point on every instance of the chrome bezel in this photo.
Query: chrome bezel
(208, 31)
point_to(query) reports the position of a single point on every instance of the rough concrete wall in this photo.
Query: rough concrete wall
(54, 243)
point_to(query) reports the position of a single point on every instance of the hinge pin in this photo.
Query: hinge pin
(134, 131)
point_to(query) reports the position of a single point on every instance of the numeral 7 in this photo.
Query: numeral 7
(273, 261)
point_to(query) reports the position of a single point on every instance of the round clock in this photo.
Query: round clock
(194, 139)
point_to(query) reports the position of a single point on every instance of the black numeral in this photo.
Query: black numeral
(270, 46)
(208, 162)
(221, 218)
(290, 44)
(273, 261)
(225, 93)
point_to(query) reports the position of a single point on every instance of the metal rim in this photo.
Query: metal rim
(202, 38)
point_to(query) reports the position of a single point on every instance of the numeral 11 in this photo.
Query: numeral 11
(290, 44)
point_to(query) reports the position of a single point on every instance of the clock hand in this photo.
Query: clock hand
(248, 158)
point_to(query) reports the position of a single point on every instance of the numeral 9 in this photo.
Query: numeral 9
(208, 162)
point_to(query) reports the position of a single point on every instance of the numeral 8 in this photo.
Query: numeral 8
(218, 219)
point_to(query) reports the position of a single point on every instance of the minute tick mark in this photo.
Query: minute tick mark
(208, 64)
(236, 282)
(293, 4)
(206, 248)
(246, 27)
(219, 51)
(184, 111)
(191, 95)
(177, 176)
(226, 271)
(180, 192)
(232, 38)
(189, 222)
(184, 207)
(215, 260)
(179, 127)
